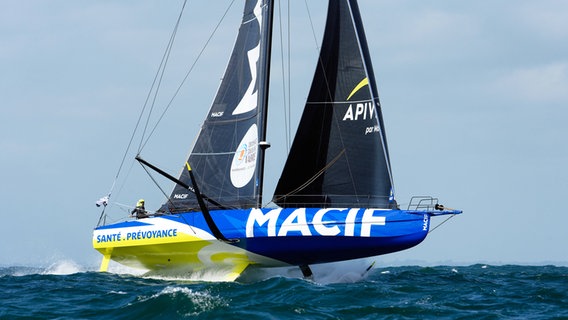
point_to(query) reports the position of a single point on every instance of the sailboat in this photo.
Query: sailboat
(335, 198)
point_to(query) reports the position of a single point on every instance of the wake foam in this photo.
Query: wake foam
(327, 273)
(199, 302)
(210, 274)
(117, 268)
(59, 267)
(63, 267)
(343, 272)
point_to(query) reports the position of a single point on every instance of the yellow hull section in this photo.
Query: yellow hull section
(170, 250)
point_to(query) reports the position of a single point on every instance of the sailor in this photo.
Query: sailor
(140, 211)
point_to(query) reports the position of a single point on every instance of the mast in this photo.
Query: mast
(263, 118)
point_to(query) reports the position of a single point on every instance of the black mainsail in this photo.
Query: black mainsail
(226, 158)
(339, 156)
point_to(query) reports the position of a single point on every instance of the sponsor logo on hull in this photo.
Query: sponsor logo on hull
(299, 222)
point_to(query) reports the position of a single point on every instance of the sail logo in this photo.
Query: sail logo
(243, 165)
(249, 100)
(323, 222)
(242, 152)
(359, 111)
(362, 110)
(372, 129)
(363, 83)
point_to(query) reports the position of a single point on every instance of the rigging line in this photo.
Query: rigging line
(289, 76)
(122, 185)
(123, 160)
(340, 101)
(177, 181)
(168, 199)
(282, 64)
(289, 58)
(160, 75)
(348, 162)
(157, 184)
(187, 74)
(436, 227)
(227, 153)
(336, 120)
(127, 148)
(126, 151)
(378, 108)
(311, 24)
(313, 178)
(319, 50)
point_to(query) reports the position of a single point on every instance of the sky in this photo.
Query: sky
(474, 97)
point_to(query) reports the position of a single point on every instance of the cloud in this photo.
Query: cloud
(545, 83)
(440, 26)
(547, 18)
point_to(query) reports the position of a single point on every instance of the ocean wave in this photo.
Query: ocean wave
(477, 291)
(60, 267)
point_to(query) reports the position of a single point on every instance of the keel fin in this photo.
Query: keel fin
(236, 272)
(368, 269)
(306, 271)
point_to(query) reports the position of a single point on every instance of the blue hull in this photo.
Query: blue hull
(298, 236)
(181, 244)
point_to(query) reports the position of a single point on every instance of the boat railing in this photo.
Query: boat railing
(336, 201)
(427, 203)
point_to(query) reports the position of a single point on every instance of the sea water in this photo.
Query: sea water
(66, 291)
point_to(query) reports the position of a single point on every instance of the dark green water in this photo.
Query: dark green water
(459, 292)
